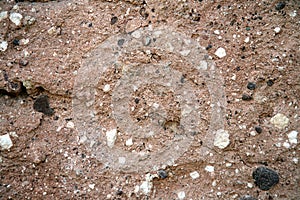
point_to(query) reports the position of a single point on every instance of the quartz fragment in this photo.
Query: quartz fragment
(280, 121)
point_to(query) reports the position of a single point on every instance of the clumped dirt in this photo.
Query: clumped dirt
(40, 65)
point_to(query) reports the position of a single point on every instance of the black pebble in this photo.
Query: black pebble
(162, 174)
(113, 20)
(209, 47)
(247, 197)
(270, 82)
(265, 178)
(246, 97)
(41, 104)
(258, 129)
(16, 42)
(251, 86)
(119, 192)
(136, 100)
(121, 42)
(280, 5)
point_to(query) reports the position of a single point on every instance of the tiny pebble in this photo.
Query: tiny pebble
(221, 139)
(106, 88)
(265, 178)
(16, 18)
(208, 47)
(246, 97)
(129, 142)
(258, 129)
(5, 142)
(270, 82)
(251, 86)
(277, 29)
(181, 195)
(162, 174)
(221, 52)
(247, 197)
(113, 20)
(209, 168)
(280, 5)
(293, 137)
(247, 39)
(194, 175)
(3, 45)
(111, 137)
(3, 15)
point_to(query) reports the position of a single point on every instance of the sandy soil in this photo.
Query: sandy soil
(132, 99)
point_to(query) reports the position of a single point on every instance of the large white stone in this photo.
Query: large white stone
(221, 139)
(5, 142)
(221, 52)
(280, 121)
(16, 18)
(147, 185)
(111, 137)
(293, 137)
(3, 45)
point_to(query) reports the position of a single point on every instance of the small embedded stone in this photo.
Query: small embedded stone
(16, 18)
(113, 20)
(162, 174)
(258, 129)
(280, 121)
(251, 86)
(280, 5)
(246, 97)
(247, 197)
(5, 142)
(221, 52)
(265, 178)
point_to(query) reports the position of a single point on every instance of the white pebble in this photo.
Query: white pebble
(295, 160)
(16, 18)
(24, 41)
(286, 145)
(217, 32)
(247, 39)
(146, 186)
(3, 45)
(277, 29)
(202, 65)
(181, 195)
(136, 34)
(209, 168)
(129, 142)
(280, 121)
(194, 175)
(293, 13)
(92, 186)
(5, 142)
(221, 52)
(111, 137)
(106, 88)
(221, 139)
(3, 15)
(70, 125)
(250, 185)
(228, 164)
(293, 137)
